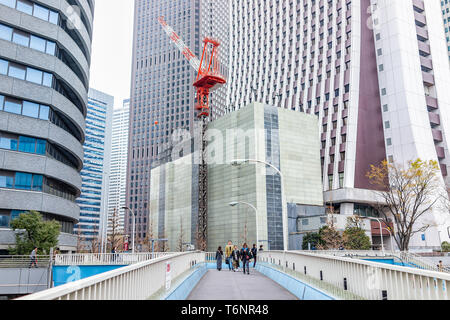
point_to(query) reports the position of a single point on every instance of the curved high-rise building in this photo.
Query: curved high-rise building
(45, 50)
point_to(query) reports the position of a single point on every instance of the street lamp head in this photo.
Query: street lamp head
(232, 204)
(235, 163)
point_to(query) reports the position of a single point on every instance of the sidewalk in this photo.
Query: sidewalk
(229, 285)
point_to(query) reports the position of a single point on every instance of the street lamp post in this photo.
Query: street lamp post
(153, 243)
(390, 235)
(134, 227)
(381, 230)
(233, 204)
(238, 162)
(104, 243)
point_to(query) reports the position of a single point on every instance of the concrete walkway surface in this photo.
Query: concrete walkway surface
(229, 285)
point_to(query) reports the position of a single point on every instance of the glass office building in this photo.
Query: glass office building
(118, 166)
(95, 173)
(287, 139)
(161, 87)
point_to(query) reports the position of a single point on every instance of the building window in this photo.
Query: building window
(364, 210)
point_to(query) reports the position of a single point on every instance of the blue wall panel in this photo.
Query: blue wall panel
(65, 274)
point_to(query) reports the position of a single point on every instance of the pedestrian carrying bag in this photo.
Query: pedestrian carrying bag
(227, 260)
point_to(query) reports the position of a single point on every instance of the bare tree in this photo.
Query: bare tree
(163, 245)
(331, 238)
(180, 243)
(355, 222)
(201, 243)
(115, 237)
(81, 247)
(407, 193)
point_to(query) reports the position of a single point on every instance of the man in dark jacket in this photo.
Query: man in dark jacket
(246, 255)
(254, 254)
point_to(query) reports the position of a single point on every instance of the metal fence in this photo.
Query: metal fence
(408, 258)
(348, 277)
(138, 281)
(7, 261)
(80, 259)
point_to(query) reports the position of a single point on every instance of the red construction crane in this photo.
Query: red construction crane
(208, 79)
(208, 73)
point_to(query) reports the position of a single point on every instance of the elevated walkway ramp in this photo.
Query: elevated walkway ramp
(229, 285)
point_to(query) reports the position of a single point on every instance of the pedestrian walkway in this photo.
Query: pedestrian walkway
(229, 285)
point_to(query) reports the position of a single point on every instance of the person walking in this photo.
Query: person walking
(228, 255)
(246, 255)
(235, 255)
(113, 251)
(254, 254)
(219, 256)
(441, 266)
(33, 258)
(261, 248)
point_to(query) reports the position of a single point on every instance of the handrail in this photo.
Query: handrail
(404, 256)
(122, 258)
(366, 279)
(23, 261)
(134, 282)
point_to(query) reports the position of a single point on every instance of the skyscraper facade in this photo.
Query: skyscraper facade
(374, 72)
(93, 200)
(44, 80)
(162, 96)
(445, 5)
(118, 167)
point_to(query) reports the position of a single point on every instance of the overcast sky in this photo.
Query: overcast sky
(112, 48)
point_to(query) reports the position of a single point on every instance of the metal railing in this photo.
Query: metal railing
(408, 258)
(138, 281)
(80, 259)
(419, 262)
(351, 278)
(8, 261)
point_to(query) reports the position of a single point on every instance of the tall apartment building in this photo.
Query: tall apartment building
(161, 87)
(445, 5)
(374, 72)
(93, 200)
(118, 166)
(44, 81)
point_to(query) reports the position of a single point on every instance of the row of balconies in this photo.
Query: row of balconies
(428, 78)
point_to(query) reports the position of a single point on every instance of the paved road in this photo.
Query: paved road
(229, 285)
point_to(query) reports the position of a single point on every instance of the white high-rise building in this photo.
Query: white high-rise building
(93, 200)
(118, 166)
(445, 4)
(375, 73)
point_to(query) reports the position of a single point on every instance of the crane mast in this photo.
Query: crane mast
(208, 78)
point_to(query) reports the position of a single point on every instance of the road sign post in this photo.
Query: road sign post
(168, 275)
